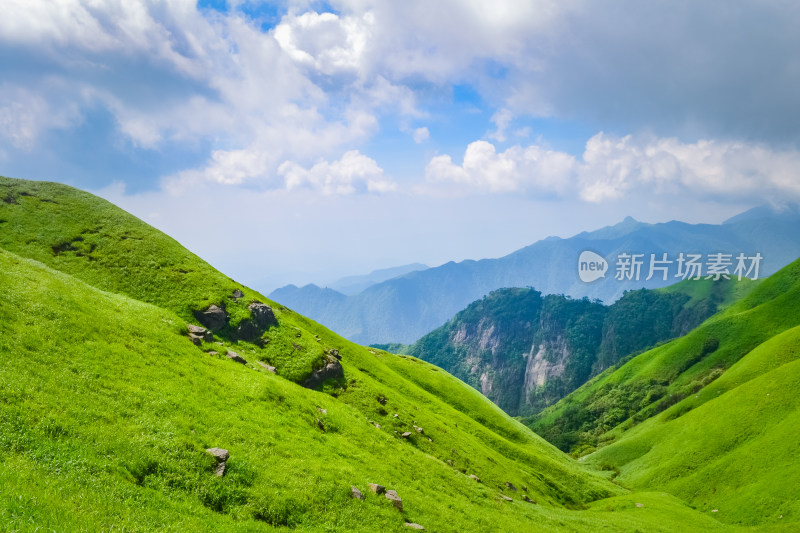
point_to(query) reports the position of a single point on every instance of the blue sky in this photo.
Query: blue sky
(300, 141)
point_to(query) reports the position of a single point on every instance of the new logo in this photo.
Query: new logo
(591, 266)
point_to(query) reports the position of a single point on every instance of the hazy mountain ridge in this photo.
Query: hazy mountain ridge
(403, 309)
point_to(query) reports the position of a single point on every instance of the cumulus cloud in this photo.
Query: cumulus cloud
(612, 167)
(421, 135)
(352, 173)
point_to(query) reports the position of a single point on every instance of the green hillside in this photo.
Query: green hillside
(711, 418)
(107, 407)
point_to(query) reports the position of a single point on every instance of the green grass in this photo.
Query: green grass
(106, 408)
(713, 417)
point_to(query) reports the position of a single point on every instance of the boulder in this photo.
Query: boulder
(214, 317)
(331, 370)
(248, 331)
(335, 353)
(222, 456)
(237, 294)
(262, 315)
(200, 332)
(392, 496)
(406, 435)
(355, 493)
(412, 525)
(233, 356)
(377, 489)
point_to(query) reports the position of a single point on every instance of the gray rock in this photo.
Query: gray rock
(212, 352)
(248, 331)
(506, 498)
(332, 370)
(406, 435)
(268, 368)
(355, 493)
(476, 478)
(527, 499)
(419, 430)
(335, 353)
(412, 525)
(377, 489)
(392, 496)
(214, 317)
(320, 424)
(200, 331)
(237, 294)
(511, 486)
(262, 315)
(222, 456)
(233, 356)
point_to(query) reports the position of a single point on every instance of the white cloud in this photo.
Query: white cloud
(615, 167)
(354, 172)
(25, 116)
(421, 135)
(501, 120)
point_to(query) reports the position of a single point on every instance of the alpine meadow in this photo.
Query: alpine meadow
(363, 266)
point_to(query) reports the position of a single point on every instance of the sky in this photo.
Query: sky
(298, 141)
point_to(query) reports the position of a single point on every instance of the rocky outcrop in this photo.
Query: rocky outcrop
(233, 356)
(332, 369)
(214, 317)
(262, 314)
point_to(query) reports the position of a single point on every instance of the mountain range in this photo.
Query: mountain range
(404, 308)
(524, 351)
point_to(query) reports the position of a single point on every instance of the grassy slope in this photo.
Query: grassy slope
(106, 408)
(738, 434)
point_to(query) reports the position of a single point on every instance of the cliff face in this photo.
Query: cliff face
(525, 351)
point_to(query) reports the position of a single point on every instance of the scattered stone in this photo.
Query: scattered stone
(298, 347)
(200, 331)
(377, 489)
(299, 335)
(450, 462)
(268, 368)
(262, 314)
(237, 293)
(639, 505)
(320, 424)
(334, 353)
(527, 499)
(714, 510)
(233, 356)
(506, 498)
(323, 411)
(212, 352)
(392, 496)
(396, 415)
(412, 525)
(430, 439)
(355, 493)
(382, 399)
(406, 435)
(419, 430)
(511, 486)
(332, 370)
(378, 426)
(214, 317)
(476, 478)
(222, 456)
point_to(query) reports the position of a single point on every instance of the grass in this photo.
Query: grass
(106, 408)
(722, 433)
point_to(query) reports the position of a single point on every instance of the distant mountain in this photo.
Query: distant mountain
(404, 308)
(354, 284)
(525, 351)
